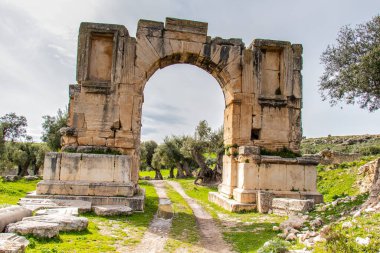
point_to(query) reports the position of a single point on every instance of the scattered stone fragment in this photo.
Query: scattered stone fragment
(12, 214)
(36, 228)
(165, 209)
(71, 211)
(11, 178)
(12, 243)
(291, 237)
(66, 222)
(111, 210)
(293, 222)
(346, 224)
(362, 241)
(275, 228)
(316, 223)
(31, 178)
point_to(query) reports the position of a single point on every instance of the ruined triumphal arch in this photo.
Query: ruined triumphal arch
(262, 86)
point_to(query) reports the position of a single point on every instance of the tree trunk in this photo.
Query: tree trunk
(205, 174)
(186, 168)
(23, 170)
(158, 175)
(171, 173)
(179, 170)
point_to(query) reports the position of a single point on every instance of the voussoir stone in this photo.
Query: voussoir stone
(111, 210)
(65, 222)
(12, 243)
(36, 228)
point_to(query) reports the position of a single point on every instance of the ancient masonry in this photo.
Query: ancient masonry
(262, 86)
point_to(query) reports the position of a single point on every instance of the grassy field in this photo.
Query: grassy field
(11, 192)
(246, 232)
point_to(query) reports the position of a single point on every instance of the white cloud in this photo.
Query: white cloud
(38, 56)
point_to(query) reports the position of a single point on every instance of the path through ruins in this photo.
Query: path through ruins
(154, 239)
(211, 237)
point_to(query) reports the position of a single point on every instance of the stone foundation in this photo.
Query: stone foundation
(98, 178)
(254, 174)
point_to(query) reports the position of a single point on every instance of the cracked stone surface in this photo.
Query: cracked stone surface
(36, 228)
(65, 222)
(12, 243)
(67, 211)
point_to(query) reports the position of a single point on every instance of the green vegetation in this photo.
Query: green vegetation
(339, 181)
(362, 144)
(184, 232)
(284, 153)
(11, 192)
(151, 173)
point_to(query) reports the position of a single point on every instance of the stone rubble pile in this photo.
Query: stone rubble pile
(51, 217)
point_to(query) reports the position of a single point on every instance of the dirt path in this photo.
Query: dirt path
(155, 238)
(211, 237)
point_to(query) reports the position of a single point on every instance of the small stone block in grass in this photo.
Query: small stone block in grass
(112, 210)
(35, 228)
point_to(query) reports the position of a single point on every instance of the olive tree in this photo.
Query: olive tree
(352, 66)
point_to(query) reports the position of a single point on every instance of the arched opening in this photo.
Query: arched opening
(176, 98)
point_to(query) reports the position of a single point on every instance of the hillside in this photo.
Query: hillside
(362, 144)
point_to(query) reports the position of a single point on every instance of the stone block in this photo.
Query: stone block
(12, 214)
(112, 210)
(295, 177)
(96, 168)
(248, 176)
(300, 205)
(165, 209)
(244, 196)
(35, 228)
(52, 166)
(264, 201)
(189, 26)
(65, 222)
(37, 202)
(12, 243)
(249, 150)
(229, 204)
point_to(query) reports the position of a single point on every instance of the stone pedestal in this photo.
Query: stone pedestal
(294, 178)
(98, 178)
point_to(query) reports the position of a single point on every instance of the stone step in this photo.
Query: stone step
(36, 204)
(65, 211)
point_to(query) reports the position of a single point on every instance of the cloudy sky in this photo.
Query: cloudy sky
(38, 56)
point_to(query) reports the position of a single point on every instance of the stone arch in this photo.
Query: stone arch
(262, 86)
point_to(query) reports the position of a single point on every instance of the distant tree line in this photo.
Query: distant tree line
(17, 149)
(199, 155)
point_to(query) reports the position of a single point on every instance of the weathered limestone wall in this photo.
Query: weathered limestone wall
(261, 83)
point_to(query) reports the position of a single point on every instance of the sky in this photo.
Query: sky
(38, 43)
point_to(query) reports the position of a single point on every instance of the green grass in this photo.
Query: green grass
(11, 192)
(184, 232)
(165, 173)
(338, 181)
(103, 234)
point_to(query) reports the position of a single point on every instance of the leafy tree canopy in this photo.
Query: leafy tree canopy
(51, 126)
(352, 66)
(12, 127)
